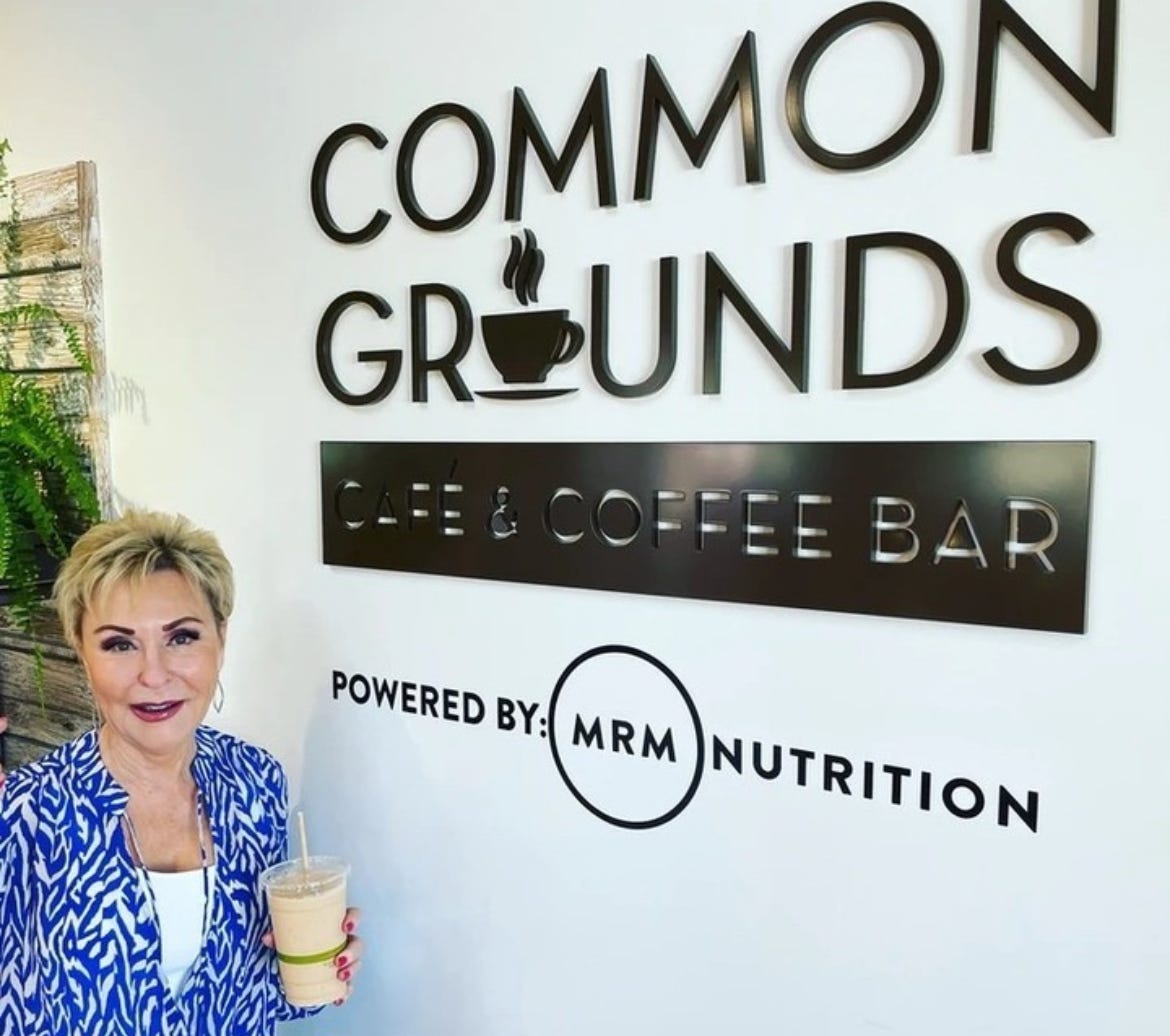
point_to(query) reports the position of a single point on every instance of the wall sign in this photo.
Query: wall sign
(629, 745)
(993, 533)
(552, 334)
(981, 532)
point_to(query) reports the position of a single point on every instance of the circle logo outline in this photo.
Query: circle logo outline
(697, 776)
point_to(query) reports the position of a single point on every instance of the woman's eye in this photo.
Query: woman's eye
(116, 644)
(182, 637)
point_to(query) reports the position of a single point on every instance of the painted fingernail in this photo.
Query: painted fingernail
(342, 961)
(338, 1003)
(349, 926)
(344, 976)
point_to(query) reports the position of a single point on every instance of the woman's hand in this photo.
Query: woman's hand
(348, 960)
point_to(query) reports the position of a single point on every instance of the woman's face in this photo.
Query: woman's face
(152, 652)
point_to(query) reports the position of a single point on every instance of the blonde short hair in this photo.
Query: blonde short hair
(131, 548)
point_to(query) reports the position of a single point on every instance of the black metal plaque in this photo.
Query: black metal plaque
(983, 532)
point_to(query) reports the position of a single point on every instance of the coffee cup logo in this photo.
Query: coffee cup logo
(525, 346)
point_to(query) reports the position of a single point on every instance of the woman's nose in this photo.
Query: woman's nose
(153, 671)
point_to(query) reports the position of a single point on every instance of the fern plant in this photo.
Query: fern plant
(47, 496)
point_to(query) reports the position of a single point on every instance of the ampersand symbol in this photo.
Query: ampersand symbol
(503, 521)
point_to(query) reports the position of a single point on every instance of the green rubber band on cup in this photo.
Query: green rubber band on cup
(310, 958)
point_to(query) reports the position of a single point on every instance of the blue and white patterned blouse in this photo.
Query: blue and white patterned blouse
(80, 952)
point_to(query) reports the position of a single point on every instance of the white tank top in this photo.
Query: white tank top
(178, 902)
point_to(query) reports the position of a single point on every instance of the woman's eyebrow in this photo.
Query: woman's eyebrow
(179, 622)
(166, 629)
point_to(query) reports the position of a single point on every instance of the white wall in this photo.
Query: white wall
(494, 904)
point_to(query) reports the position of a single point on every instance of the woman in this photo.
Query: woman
(130, 858)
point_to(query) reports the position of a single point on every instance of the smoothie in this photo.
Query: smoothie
(308, 907)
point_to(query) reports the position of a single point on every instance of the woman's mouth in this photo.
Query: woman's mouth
(156, 712)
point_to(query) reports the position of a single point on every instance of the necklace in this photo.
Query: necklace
(137, 847)
(144, 875)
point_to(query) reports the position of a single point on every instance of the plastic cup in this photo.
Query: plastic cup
(308, 908)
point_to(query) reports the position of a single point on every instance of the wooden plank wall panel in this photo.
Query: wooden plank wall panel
(62, 291)
(72, 391)
(39, 347)
(48, 242)
(37, 723)
(60, 266)
(51, 192)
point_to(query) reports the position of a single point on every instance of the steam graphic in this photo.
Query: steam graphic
(524, 266)
(526, 344)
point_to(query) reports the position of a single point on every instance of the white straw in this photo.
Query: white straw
(304, 839)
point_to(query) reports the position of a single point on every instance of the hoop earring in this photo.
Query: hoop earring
(218, 703)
